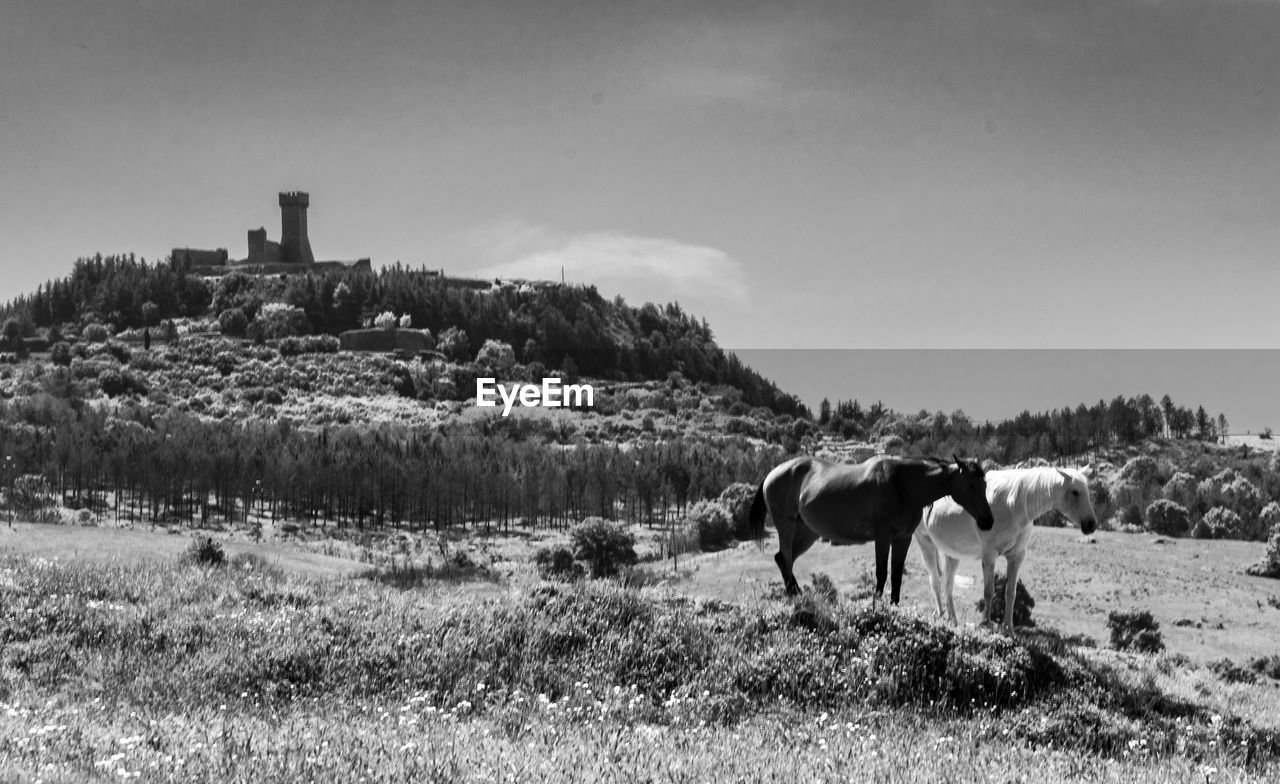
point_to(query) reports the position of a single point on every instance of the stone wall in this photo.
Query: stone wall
(385, 340)
(195, 257)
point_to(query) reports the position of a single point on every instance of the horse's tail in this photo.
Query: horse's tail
(759, 509)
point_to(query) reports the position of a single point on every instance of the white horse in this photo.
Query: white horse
(1018, 496)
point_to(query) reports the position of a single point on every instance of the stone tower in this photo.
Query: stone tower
(295, 247)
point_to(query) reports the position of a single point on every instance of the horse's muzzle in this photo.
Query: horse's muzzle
(986, 523)
(1088, 526)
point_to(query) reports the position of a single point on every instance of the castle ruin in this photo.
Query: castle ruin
(291, 254)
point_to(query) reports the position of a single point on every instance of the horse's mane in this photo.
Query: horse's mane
(1011, 484)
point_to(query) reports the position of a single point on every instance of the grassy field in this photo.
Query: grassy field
(1075, 581)
(119, 662)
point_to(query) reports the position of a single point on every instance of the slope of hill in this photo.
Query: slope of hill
(569, 328)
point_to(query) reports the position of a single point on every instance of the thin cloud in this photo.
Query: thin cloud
(649, 269)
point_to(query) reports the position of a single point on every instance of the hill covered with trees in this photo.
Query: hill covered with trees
(245, 403)
(567, 328)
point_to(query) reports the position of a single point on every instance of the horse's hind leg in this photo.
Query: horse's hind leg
(802, 538)
(786, 534)
(1012, 563)
(949, 567)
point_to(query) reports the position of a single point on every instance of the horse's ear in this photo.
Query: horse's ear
(1087, 471)
(1064, 473)
(959, 462)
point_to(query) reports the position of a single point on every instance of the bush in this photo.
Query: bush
(60, 354)
(279, 320)
(1231, 672)
(497, 358)
(453, 344)
(1134, 630)
(556, 563)
(736, 500)
(95, 333)
(824, 586)
(1022, 603)
(1131, 518)
(33, 497)
(1270, 565)
(1182, 488)
(308, 344)
(605, 546)
(115, 383)
(1218, 523)
(1266, 665)
(386, 320)
(204, 551)
(233, 321)
(1168, 518)
(713, 525)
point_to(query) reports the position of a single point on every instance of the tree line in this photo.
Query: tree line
(179, 468)
(1049, 434)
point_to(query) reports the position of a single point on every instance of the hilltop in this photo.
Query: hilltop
(548, 326)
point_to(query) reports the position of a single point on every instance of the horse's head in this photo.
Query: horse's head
(969, 489)
(1073, 500)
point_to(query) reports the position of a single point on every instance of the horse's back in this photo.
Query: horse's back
(842, 502)
(951, 529)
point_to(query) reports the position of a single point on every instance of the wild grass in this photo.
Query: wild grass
(242, 672)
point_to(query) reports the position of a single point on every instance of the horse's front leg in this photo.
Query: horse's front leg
(900, 547)
(929, 556)
(883, 543)
(1013, 562)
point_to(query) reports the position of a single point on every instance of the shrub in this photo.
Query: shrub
(453, 344)
(1231, 672)
(279, 320)
(1022, 603)
(824, 586)
(1135, 630)
(736, 500)
(1218, 523)
(386, 320)
(95, 333)
(32, 495)
(1270, 565)
(713, 524)
(308, 344)
(605, 546)
(1181, 488)
(115, 383)
(1266, 665)
(1130, 518)
(1168, 518)
(233, 321)
(60, 354)
(556, 563)
(498, 357)
(204, 551)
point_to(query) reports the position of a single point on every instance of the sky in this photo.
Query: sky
(959, 174)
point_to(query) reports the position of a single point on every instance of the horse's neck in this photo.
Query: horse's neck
(935, 482)
(1030, 495)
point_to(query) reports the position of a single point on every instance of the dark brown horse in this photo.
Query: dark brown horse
(879, 500)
